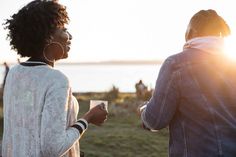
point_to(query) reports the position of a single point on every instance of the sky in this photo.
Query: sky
(105, 30)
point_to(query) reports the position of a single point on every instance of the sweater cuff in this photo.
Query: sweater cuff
(81, 125)
(84, 122)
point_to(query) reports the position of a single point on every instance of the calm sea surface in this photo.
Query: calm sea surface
(98, 78)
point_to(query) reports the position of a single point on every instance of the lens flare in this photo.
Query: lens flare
(230, 47)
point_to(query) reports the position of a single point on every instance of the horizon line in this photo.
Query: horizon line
(109, 62)
(116, 62)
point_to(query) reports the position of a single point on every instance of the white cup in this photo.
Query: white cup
(142, 108)
(94, 103)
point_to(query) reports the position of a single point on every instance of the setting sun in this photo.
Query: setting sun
(230, 47)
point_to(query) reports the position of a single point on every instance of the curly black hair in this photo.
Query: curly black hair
(32, 27)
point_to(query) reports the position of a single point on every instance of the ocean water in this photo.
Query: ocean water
(99, 78)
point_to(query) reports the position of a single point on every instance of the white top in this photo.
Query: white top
(38, 111)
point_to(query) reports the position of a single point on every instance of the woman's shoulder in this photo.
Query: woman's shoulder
(14, 69)
(57, 76)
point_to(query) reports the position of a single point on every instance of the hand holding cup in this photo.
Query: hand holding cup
(97, 114)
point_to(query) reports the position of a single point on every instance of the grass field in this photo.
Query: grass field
(121, 135)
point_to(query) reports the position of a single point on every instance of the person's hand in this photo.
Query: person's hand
(140, 109)
(97, 115)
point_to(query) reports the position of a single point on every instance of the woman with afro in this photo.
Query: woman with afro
(40, 112)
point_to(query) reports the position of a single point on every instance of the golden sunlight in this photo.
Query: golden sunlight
(230, 47)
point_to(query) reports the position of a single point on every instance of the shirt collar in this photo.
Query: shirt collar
(210, 44)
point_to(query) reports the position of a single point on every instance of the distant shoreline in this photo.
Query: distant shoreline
(128, 62)
(114, 63)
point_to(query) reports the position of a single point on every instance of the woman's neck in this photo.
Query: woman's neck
(41, 59)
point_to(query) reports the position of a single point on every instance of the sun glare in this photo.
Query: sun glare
(230, 47)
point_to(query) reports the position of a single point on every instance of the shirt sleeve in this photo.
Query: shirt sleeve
(56, 137)
(163, 103)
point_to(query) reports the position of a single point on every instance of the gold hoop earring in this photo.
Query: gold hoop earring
(54, 42)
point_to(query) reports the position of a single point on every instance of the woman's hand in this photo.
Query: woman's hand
(97, 115)
(139, 112)
(140, 109)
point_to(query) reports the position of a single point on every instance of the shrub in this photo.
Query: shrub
(112, 94)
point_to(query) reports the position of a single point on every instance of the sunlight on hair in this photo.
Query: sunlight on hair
(230, 47)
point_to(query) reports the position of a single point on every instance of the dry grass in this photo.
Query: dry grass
(121, 135)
